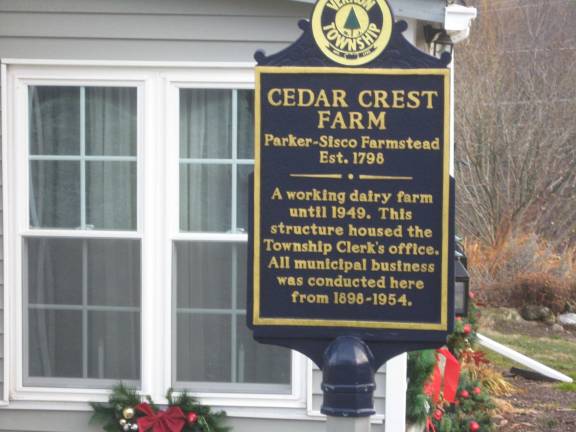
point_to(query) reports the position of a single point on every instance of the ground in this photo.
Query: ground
(536, 406)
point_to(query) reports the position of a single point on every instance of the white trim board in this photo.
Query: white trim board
(5, 301)
(522, 359)
(396, 386)
(129, 63)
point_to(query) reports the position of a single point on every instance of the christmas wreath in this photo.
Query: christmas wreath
(127, 411)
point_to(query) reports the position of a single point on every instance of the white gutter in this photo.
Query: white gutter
(458, 20)
(522, 359)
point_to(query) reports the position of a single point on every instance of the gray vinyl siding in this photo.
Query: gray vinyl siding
(167, 30)
(60, 421)
(65, 421)
(152, 30)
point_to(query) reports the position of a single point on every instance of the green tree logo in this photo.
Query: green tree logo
(352, 23)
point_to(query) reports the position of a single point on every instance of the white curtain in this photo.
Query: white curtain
(205, 133)
(83, 136)
(213, 344)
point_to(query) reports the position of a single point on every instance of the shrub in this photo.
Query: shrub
(541, 289)
(522, 270)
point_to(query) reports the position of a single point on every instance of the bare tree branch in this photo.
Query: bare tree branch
(516, 122)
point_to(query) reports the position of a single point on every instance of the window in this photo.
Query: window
(128, 222)
(82, 296)
(216, 158)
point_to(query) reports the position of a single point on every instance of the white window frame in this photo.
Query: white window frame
(239, 76)
(23, 207)
(173, 91)
(158, 224)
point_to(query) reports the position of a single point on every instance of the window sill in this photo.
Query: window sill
(237, 405)
(281, 410)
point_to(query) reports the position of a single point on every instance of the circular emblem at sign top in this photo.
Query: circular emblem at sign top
(352, 32)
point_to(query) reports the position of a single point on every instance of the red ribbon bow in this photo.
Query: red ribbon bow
(450, 379)
(171, 420)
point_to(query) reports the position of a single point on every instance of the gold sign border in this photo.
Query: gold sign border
(256, 318)
(379, 44)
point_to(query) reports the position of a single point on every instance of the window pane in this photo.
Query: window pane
(54, 194)
(205, 123)
(92, 314)
(54, 271)
(67, 125)
(111, 121)
(113, 272)
(114, 345)
(246, 124)
(242, 267)
(203, 275)
(111, 195)
(242, 191)
(259, 363)
(205, 197)
(54, 120)
(214, 343)
(203, 348)
(55, 343)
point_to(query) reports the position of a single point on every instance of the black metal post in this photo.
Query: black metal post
(348, 384)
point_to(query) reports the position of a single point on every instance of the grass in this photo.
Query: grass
(567, 387)
(550, 423)
(554, 352)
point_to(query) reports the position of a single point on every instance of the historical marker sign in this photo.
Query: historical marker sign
(352, 211)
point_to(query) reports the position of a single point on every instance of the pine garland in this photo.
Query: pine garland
(472, 410)
(420, 366)
(465, 331)
(470, 413)
(121, 413)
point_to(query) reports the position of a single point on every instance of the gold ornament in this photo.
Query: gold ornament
(122, 422)
(128, 413)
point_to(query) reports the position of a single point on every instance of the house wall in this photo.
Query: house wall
(2, 339)
(152, 30)
(168, 30)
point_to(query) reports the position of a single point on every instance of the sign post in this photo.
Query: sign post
(352, 207)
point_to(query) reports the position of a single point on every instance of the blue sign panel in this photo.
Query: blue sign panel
(351, 209)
